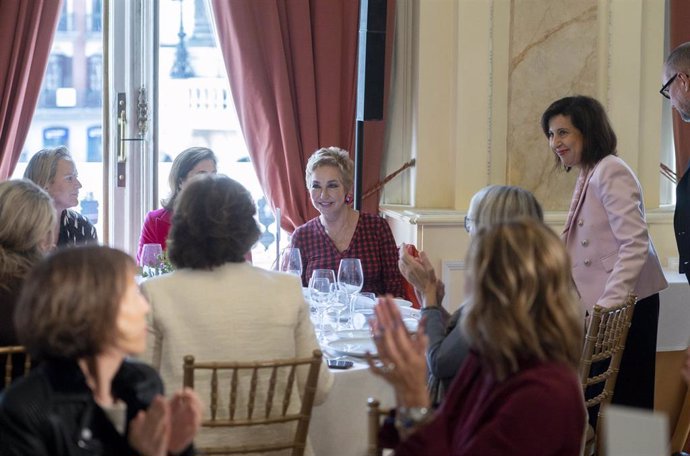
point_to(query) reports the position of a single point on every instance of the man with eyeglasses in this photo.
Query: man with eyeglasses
(677, 89)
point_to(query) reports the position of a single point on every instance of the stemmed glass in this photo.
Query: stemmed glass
(321, 288)
(151, 259)
(339, 303)
(351, 278)
(291, 261)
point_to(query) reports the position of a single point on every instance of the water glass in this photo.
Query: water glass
(291, 261)
(321, 288)
(351, 278)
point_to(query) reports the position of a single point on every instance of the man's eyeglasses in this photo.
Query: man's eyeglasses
(468, 223)
(664, 89)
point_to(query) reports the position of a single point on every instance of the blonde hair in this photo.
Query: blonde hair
(27, 219)
(332, 156)
(523, 306)
(43, 165)
(498, 203)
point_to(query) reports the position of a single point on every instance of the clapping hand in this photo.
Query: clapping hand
(401, 354)
(149, 431)
(185, 419)
(420, 273)
(167, 426)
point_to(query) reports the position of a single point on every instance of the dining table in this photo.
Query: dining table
(338, 426)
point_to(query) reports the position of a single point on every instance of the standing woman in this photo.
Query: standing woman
(81, 314)
(54, 171)
(606, 235)
(340, 231)
(189, 163)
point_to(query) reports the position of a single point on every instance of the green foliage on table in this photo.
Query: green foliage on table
(164, 267)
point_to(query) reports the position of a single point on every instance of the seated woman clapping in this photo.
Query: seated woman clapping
(448, 345)
(81, 313)
(518, 391)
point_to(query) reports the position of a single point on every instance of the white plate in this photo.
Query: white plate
(411, 324)
(353, 334)
(356, 346)
(402, 302)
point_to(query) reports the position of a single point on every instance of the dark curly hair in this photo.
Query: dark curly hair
(588, 116)
(69, 303)
(212, 224)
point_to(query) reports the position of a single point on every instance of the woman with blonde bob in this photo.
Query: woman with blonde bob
(519, 383)
(27, 221)
(342, 232)
(54, 171)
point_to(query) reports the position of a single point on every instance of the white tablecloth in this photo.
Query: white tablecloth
(339, 425)
(674, 314)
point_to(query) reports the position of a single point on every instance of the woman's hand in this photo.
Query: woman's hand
(185, 419)
(402, 355)
(149, 431)
(420, 273)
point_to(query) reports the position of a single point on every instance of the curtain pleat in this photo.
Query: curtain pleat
(26, 34)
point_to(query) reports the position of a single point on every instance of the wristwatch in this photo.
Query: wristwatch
(409, 417)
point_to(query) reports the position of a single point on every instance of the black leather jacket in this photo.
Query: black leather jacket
(53, 412)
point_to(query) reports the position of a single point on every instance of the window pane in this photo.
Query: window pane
(196, 108)
(69, 106)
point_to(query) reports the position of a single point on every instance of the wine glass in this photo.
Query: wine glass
(351, 278)
(291, 261)
(321, 292)
(150, 260)
(340, 302)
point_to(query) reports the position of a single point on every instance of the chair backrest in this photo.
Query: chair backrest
(14, 359)
(605, 341)
(256, 407)
(375, 417)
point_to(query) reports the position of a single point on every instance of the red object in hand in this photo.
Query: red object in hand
(408, 289)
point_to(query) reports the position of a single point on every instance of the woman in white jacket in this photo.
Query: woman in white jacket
(218, 307)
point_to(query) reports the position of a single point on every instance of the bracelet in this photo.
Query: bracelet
(408, 417)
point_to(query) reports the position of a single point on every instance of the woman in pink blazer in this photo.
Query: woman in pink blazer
(606, 235)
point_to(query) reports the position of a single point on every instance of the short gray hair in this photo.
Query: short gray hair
(679, 58)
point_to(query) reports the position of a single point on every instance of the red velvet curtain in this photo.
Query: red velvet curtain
(680, 33)
(292, 67)
(26, 35)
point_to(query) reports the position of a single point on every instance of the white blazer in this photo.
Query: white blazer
(236, 312)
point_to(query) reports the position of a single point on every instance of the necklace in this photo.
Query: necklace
(342, 233)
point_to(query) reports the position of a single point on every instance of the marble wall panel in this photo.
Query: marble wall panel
(553, 53)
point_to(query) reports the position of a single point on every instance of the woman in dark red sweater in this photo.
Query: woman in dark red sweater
(518, 391)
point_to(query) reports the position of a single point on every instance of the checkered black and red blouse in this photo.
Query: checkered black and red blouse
(372, 242)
